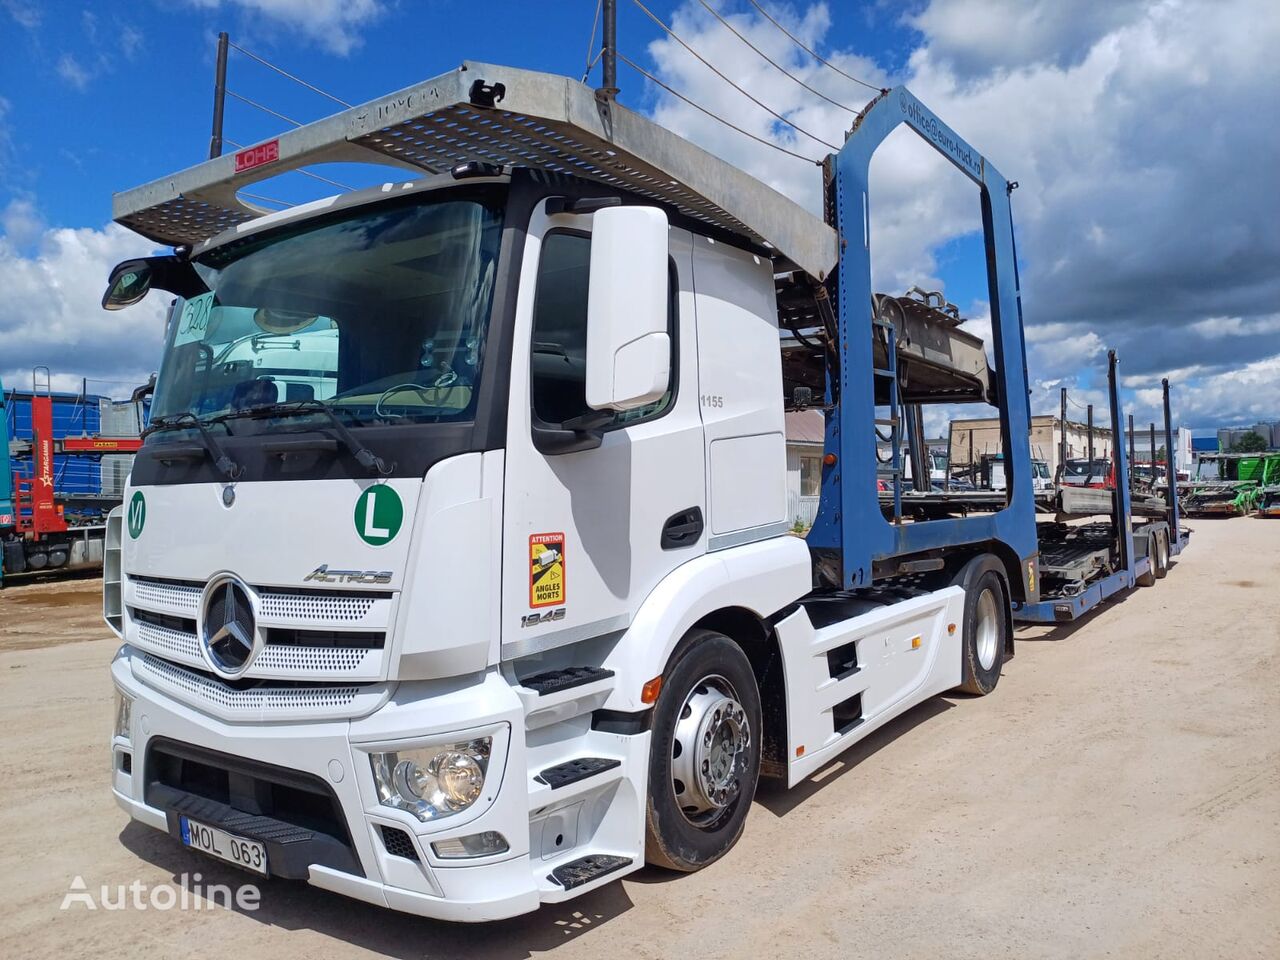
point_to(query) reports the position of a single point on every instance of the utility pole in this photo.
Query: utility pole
(219, 97)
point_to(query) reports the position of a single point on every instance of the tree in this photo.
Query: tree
(1249, 443)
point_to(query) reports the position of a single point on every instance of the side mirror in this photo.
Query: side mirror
(628, 347)
(132, 280)
(129, 282)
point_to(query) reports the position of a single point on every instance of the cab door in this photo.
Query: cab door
(588, 533)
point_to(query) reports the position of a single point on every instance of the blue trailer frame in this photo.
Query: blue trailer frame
(1130, 567)
(850, 524)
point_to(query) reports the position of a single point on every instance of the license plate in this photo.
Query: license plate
(218, 843)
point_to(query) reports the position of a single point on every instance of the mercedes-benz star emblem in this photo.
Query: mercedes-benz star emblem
(228, 638)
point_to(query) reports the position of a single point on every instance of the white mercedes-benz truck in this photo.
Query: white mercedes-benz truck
(455, 573)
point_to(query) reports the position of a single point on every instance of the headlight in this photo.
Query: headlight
(124, 712)
(432, 782)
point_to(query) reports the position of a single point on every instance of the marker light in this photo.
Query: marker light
(124, 713)
(649, 692)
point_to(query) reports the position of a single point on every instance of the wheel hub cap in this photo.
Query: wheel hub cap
(709, 750)
(987, 629)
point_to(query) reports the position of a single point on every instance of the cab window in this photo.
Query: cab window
(559, 349)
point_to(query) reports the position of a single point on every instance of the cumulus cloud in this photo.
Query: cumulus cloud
(50, 313)
(1136, 129)
(332, 25)
(73, 71)
(26, 14)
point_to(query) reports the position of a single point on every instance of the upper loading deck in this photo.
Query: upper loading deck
(501, 116)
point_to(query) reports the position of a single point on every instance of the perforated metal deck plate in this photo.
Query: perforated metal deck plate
(542, 121)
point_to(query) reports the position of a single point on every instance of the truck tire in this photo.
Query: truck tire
(704, 757)
(986, 624)
(1148, 579)
(1162, 554)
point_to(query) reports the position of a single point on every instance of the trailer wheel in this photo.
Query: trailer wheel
(704, 757)
(1148, 579)
(986, 625)
(1162, 554)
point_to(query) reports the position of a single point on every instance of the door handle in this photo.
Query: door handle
(682, 529)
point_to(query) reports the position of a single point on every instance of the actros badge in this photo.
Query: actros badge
(322, 574)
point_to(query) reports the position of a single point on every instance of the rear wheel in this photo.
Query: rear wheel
(986, 626)
(704, 758)
(1162, 554)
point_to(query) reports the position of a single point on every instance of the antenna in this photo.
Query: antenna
(609, 50)
(219, 97)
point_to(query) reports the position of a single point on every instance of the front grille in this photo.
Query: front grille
(178, 596)
(280, 605)
(313, 607)
(313, 635)
(261, 699)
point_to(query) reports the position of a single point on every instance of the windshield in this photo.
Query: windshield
(381, 316)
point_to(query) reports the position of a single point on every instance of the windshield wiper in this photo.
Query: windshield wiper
(363, 455)
(226, 466)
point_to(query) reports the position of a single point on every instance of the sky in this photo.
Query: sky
(1144, 134)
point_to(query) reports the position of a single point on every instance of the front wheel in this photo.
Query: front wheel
(704, 758)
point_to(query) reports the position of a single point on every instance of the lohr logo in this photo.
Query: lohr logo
(379, 514)
(137, 514)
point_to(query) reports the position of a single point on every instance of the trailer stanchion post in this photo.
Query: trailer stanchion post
(1171, 466)
(1062, 438)
(1089, 434)
(1132, 458)
(1152, 441)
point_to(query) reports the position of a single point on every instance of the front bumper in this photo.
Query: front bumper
(330, 759)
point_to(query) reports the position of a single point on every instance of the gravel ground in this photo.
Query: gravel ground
(1117, 796)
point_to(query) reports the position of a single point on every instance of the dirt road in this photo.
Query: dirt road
(1118, 796)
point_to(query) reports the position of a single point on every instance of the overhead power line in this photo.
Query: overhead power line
(257, 196)
(773, 63)
(285, 73)
(672, 34)
(714, 116)
(799, 43)
(258, 106)
(591, 43)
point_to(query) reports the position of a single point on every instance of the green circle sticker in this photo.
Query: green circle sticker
(379, 514)
(137, 514)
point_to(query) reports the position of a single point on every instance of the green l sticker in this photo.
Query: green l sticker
(379, 514)
(137, 514)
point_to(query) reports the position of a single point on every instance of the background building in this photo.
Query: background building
(1046, 435)
(805, 437)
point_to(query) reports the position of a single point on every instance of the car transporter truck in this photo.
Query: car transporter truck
(455, 575)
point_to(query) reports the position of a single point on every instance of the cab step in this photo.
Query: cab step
(588, 868)
(553, 681)
(571, 771)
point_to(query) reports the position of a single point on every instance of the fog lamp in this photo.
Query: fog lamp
(476, 845)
